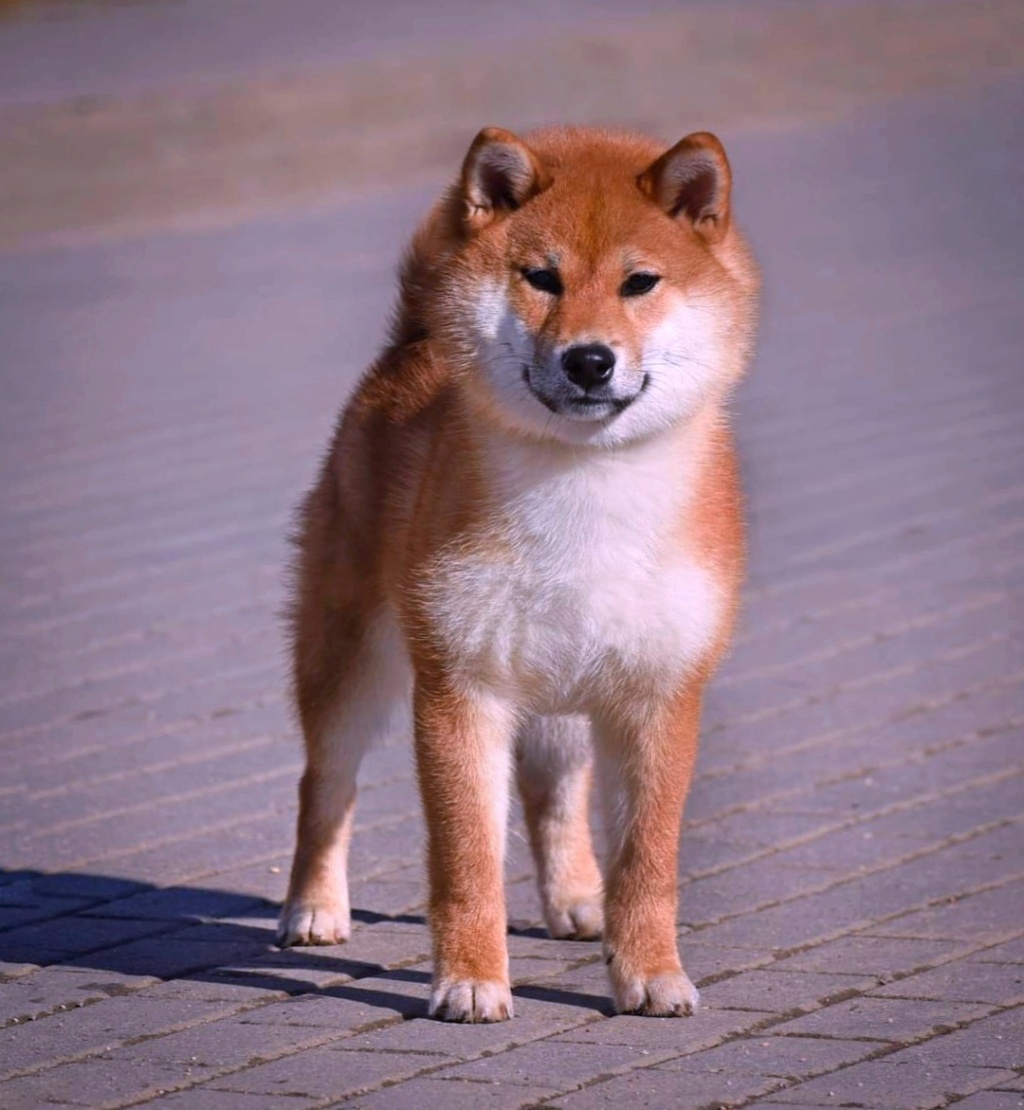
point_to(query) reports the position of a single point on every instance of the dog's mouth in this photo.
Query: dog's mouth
(584, 406)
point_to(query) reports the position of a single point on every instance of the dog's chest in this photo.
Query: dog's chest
(576, 585)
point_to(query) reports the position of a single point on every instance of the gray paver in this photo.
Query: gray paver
(781, 991)
(889, 1083)
(219, 1045)
(327, 1073)
(57, 988)
(964, 980)
(90, 1083)
(99, 1026)
(559, 1064)
(883, 957)
(783, 1057)
(1012, 952)
(992, 1100)
(990, 915)
(659, 1087)
(996, 1041)
(884, 1019)
(203, 1098)
(688, 1037)
(456, 1094)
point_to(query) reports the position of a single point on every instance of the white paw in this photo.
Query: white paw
(471, 1000)
(305, 923)
(671, 995)
(579, 920)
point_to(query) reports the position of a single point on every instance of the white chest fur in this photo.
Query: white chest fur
(579, 581)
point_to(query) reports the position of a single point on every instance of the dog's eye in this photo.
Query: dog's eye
(547, 281)
(636, 285)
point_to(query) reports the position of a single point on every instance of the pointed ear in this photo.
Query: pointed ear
(693, 181)
(500, 173)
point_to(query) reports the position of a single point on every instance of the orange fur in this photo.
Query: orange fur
(528, 520)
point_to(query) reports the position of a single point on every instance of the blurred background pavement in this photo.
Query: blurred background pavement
(116, 115)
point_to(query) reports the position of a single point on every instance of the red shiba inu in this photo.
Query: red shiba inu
(528, 528)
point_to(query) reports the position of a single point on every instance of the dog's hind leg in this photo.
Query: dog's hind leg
(353, 686)
(553, 765)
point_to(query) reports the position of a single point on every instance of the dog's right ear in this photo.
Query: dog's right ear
(692, 181)
(500, 173)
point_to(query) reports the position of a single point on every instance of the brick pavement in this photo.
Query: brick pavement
(853, 898)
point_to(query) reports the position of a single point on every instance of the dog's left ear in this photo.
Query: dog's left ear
(693, 181)
(499, 175)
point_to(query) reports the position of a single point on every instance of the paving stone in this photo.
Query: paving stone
(99, 1026)
(55, 988)
(90, 1083)
(818, 916)
(990, 915)
(525, 970)
(167, 956)
(203, 1098)
(294, 970)
(963, 980)
(538, 945)
(535, 1018)
(217, 1046)
(996, 1041)
(869, 843)
(210, 986)
(322, 1011)
(15, 969)
(453, 1094)
(1012, 952)
(758, 1105)
(706, 1029)
(706, 961)
(21, 903)
(786, 1057)
(767, 827)
(883, 957)
(91, 887)
(372, 946)
(560, 1065)
(992, 1100)
(705, 852)
(888, 1083)
(660, 1087)
(781, 991)
(328, 1073)
(223, 932)
(894, 1020)
(65, 937)
(585, 988)
(743, 888)
(178, 905)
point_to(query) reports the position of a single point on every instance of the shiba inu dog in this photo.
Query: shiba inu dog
(528, 529)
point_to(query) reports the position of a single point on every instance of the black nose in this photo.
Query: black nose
(588, 365)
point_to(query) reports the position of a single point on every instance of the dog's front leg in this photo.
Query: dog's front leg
(647, 760)
(463, 757)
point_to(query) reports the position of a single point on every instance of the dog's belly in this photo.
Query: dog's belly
(563, 639)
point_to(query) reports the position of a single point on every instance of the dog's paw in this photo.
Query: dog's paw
(669, 995)
(582, 919)
(471, 1000)
(313, 923)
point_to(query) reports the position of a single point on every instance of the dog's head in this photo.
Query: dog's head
(597, 291)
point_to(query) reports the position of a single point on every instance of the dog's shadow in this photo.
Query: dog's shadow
(130, 928)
